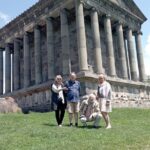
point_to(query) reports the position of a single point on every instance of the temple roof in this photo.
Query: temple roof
(131, 7)
(124, 10)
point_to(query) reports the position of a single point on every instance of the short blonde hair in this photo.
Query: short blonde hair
(92, 95)
(101, 75)
(58, 77)
(72, 74)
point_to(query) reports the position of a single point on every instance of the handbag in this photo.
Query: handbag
(60, 99)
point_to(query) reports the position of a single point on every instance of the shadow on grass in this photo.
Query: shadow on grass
(55, 125)
(49, 124)
(89, 127)
(67, 125)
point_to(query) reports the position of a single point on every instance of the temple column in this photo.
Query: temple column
(127, 57)
(16, 78)
(12, 70)
(121, 46)
(50, 48)
(81, 37)
(97, 43)
(131, 53)
(109, 45)
(140, 56)
(26, 54)
(7, 69)
(37, 55)
(65, 43)
(1, 71)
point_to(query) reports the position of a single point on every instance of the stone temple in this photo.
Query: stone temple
(83, 36)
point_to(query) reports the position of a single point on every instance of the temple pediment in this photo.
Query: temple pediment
(131, 7)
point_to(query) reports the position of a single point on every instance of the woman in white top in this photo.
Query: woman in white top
(104, 95)
(58, 99)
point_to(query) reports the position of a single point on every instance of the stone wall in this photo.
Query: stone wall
(40, 102)
(125, 93)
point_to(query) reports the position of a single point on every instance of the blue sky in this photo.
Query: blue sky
(144, 6)
(9, 9)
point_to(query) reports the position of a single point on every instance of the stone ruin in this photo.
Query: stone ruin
(9, 105)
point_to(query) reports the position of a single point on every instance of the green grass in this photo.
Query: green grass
(38, 131)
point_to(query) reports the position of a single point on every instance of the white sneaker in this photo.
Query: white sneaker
(108, 127)
(60, 125)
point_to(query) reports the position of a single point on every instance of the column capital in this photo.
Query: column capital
(11, 51)
(128, 28)
(10, 46)
(81, 1)
(37, 26)
(48, 18)
(138, 32)
(93, 9)
(17, 40)
(2, 49)
(7, 44)
(64, 11)
(119, 23)
(107, 16)
(26, 33)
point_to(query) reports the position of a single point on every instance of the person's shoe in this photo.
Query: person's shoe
(96, 127)
(76, 124)
(59, 125)
(84, 124)
(108, 127)
(70, 124)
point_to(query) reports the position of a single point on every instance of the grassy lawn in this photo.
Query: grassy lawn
(38, 131)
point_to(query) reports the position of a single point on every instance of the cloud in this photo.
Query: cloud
(4, 18)
(147, 55)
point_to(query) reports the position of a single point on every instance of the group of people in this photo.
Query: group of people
(67, 95)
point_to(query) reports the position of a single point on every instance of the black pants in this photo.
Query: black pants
(59, 113)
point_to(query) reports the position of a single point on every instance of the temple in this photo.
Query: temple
(83, 36)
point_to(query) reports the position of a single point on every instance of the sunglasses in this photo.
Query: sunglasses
(59, 79)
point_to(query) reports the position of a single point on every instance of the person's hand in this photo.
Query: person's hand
(81, 116)
(97, 97)
(65, 89)
(107, 103)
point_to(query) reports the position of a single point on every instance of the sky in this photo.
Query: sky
(9, 9)
(144, 6)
